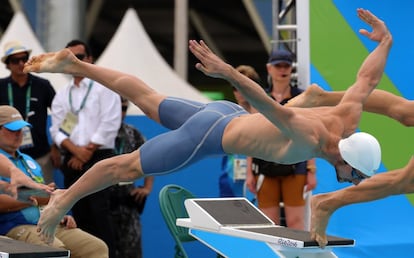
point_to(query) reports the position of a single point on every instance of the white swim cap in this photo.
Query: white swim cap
(361, 151)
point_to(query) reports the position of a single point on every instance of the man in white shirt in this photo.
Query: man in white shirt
(86, 117)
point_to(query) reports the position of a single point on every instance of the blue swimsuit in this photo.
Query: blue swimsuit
(197, 131)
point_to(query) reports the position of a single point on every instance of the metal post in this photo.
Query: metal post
(59, 22)
(181, 38)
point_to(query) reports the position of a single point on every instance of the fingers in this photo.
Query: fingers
(379, 29)
(68, 222)
(199, 50)
(366, 16)
(43, 187)
(30, 66)
(201, 67)
(11, 190)
(204, 46)
(52, 185)
(47, 188)
(321, 240)
(364, 32)
(34, 201)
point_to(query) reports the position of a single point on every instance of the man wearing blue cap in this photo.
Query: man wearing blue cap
(11, 120)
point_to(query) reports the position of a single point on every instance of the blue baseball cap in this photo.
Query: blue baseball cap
(280, 56)
(11, 118)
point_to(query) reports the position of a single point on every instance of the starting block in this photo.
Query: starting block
(10, 248)
(234, 227)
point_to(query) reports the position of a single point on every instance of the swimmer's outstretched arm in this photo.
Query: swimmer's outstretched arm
(371, 70)
(211, 65)
(398, 181)
(379, 102)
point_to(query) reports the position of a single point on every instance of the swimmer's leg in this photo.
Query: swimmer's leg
(173, 112)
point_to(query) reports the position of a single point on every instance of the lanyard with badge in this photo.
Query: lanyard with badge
(239, 167)
(71, 118)
(120, 141)
(29, 166)
(27, 141)
(120, 148)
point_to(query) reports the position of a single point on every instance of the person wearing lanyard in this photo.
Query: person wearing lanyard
(18, 218)
(86, 117)
(32, 96)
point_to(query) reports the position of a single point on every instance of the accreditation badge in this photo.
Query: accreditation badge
(27, 141)
(69, 123)
(239, 168)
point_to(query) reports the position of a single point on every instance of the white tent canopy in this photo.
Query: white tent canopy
(19, 29)
(132, 51)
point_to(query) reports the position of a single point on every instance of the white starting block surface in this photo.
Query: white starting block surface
(233, 227)
(10, 248)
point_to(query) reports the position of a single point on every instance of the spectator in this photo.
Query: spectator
(86, 117)
(18, 219)
(127, 200)
(234, 166)
(17, 177)
(32, 96)
(275, 183)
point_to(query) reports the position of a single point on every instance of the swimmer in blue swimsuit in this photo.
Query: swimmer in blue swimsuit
(196, 133)
(278, 133)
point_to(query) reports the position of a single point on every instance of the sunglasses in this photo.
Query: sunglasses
(17, 60)
(80, 56)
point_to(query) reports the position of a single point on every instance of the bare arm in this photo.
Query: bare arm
(9, 204)
(211, 65)
(250, 178)
(140, 193)
(149, 182)
(371, 70)
(18, 178)
(379, 102)
(398, 181)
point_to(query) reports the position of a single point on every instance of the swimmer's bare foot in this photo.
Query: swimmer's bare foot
(56, 62)
(309, 98)
(321, 212)
(51, 216)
